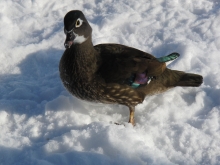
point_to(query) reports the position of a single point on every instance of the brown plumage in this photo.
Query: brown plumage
(104, 73)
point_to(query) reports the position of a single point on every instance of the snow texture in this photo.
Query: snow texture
(42, 124)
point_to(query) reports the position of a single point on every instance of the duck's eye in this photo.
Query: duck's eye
(78, 23)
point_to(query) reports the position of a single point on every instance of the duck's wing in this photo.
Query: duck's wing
(118, 63)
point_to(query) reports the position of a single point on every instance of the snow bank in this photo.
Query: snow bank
(42, 124)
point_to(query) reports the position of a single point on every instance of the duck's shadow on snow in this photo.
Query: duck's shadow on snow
(37, 83)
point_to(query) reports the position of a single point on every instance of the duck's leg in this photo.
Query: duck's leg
(131, 117)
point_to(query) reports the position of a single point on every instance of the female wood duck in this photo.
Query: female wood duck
(113, 73)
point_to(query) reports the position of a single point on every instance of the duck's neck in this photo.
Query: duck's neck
(84, 47)
(85, 59)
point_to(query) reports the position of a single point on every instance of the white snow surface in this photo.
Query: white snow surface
(42, 124)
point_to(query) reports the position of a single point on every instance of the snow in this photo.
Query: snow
(42, 124)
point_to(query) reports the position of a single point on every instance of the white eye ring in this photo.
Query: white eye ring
(78, 23)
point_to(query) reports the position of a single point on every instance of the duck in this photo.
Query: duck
(112, 73)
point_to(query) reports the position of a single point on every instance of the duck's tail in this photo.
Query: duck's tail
(190, 80)
(180, 78)
(172, 78)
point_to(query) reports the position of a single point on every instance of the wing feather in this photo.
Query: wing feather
(118, 63)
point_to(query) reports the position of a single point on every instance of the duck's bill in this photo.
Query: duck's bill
(69, 40)
(68, 44)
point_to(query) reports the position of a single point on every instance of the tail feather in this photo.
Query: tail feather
(190, 80)
(172, 78)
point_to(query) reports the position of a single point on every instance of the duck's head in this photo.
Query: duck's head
(76, 28)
